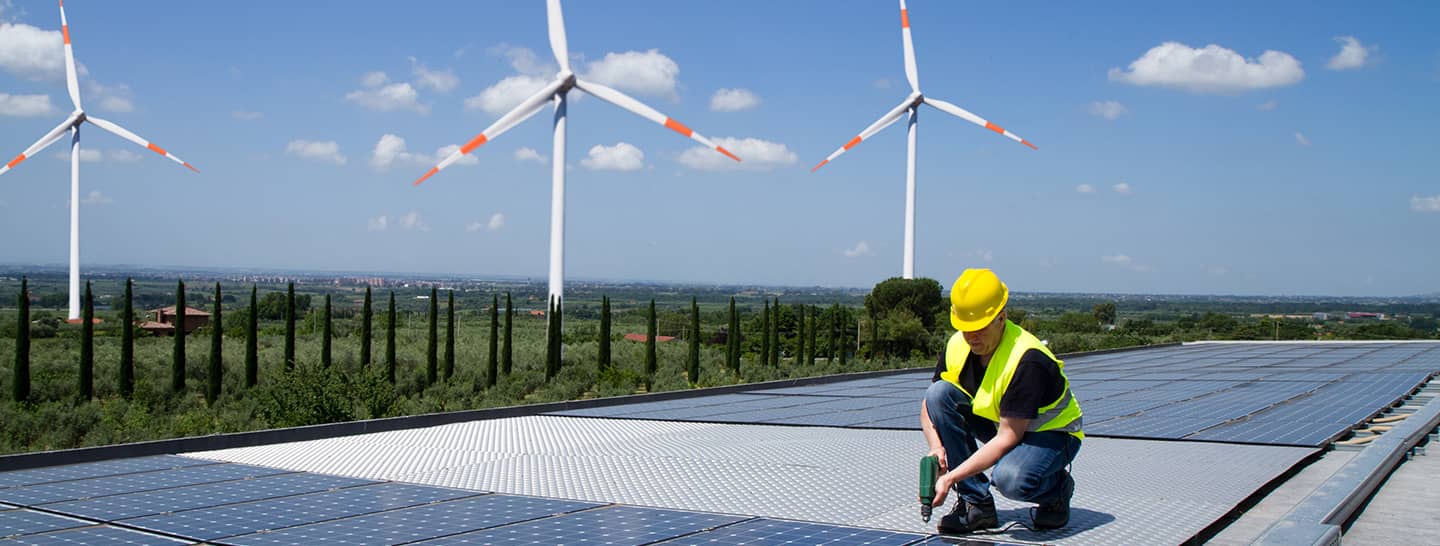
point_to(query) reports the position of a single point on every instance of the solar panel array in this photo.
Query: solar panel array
(1272, 393)
(191, 500)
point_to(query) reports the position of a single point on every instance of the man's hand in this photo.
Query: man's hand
(942, 489)
(939, 453)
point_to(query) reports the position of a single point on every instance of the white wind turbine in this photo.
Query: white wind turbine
(911, 105)
(555, 92)
(72, 123)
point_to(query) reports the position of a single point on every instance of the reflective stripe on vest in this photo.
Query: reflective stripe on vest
(1062, 415)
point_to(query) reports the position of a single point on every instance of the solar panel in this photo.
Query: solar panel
(81, 471)
(132, 505)
(419, 523)
(250, 517)
(770, 532)
(95, 536)
(611, 526)
(130, 483)
(26, 522)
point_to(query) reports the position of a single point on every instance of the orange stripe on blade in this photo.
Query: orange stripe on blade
(817, 167)
(994, 127)
(1027, 143)
(852, 143)
(16, 161)
(191, 167)
(156, 149)
(727, 153)
(66, 29)
(678, 127)
(432, 172)
(473, 144)
(904, 18)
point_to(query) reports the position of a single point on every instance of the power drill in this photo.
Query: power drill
(929, 471)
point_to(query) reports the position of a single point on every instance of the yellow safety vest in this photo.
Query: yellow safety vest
(1063, 414)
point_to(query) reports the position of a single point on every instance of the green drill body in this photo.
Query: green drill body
(929, 471)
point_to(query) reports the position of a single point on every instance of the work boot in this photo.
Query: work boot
(1056, 513)
(968, 517)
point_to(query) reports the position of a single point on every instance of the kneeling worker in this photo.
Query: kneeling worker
(998, 384)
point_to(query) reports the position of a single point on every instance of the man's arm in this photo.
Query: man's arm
(1007, 436)
(932, 438)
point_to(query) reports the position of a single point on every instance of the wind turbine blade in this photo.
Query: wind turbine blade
(912, 73)
(71, 81)
(639, 108)
(972, 118)
(515, 116)
(44, 142)
(132, 137)
(557, 35)
(880, 124)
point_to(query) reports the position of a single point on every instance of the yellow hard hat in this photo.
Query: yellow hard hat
(976, 298)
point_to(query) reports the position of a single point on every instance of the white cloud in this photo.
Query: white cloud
(1352, 55)
(436, 80)
(506, 94)
(1121, 188)
(116, 104)
(1085, 188)
(32, 53)
(96, 198)
(1212, 69)
(1109, 109)
(1126, 262)
(243, 115)
(623, 156)
(391, 149)
(111, 98)
(25, 105)
(123, 156)
(1268, 106)
(644, 72)
(378, 223)
(755, 155)
(882, 83)
(496, 223)
(523, 60)
(529, 154)
(380, 97)
(733, 100)
(1425, 204)
(87, 155)
(374, 79)
(1301, 139)
(412, 221)
(326, 150)
(861, 248)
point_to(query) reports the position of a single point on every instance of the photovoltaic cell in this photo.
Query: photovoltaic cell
(32, 495)
(251, 517)
(82, 471)
(419, 523)
(770, 532)
(177, 499)
(25, 522)
(610, 526)
(95, 536)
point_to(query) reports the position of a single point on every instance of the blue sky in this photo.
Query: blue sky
(1164, 165)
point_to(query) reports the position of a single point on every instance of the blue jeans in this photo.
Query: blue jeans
(1032, 471)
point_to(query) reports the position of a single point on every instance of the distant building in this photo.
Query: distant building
(641, 338)
(165, 320)
(1320, 317)
(1376, 316)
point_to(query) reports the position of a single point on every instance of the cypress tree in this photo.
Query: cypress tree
(325, 336)
(252, 341)
(765, 334)
(830, 337)
(811, 329)
(217, 334)
(874, 337)
(390, 342)
(365, 319)
(432, 341)
(650, 356)
(177, 367)
(843, 345)
(450, 336)
(290, 326)
(604, 339)
(127, 343)
(493, 370)
(87, 346)
(799, 334)
(507, 352)
(775, 334)
(694, 360)
(730, 335)
(20, 387)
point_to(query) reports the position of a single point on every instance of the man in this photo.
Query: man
(998, 384)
